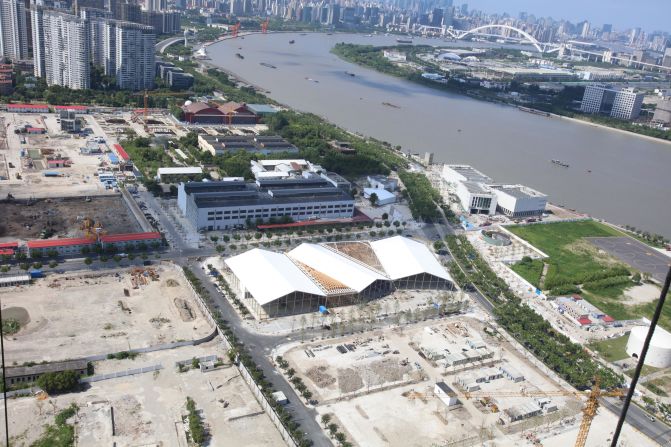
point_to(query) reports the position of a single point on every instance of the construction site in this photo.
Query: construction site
(65, 217)
(149, 408)
(461, 380)
(85, 314)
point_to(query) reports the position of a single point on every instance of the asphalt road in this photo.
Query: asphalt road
(636, 254)
(639, 419)
(162, 45)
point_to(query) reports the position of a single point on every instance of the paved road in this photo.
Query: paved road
(162, 45)
(636, 254)
(639, 419)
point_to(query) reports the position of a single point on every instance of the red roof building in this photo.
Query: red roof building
(12, 245)
(36, 130)
(54, 243)
(80, 109)
(121, 152)
(607, 319)
(202, 113)
(6, 252)
(584, 321)
(26, 108)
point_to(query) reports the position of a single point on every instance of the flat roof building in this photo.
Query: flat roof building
(476, 198)
(623, 104)
(519, 201)
(228, 204)
(464, 173)
(219, 145)
(173, 174)
(384, 197)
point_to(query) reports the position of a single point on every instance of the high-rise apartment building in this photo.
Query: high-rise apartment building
(131, 54)
(61, 48)
(13, 30)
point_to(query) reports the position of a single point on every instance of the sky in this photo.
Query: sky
(651, 15)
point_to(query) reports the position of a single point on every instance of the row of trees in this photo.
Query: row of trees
(557, 351)
(239, 352)
(423, 197)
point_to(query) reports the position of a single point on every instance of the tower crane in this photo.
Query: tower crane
(589, 410)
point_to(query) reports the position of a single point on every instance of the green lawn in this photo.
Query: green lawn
(612, 349)
(531, 271)
(571, 258)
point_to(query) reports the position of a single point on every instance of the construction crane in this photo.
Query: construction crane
(235, 29)
(147, 94)
(264, 26)
(589, 411)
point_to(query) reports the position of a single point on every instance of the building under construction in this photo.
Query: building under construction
(332, 274)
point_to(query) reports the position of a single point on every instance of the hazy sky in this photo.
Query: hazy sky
(649, 14)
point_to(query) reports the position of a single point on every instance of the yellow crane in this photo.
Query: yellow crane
(589, 411)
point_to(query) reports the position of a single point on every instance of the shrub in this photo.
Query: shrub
(58, 382)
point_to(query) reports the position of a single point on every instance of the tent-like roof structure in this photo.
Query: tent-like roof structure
(268, 275)
(402, 257)
(349, 272)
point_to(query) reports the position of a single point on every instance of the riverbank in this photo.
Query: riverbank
(393, 70)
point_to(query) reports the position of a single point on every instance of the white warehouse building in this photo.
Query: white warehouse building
(519, 200)
(332, 274)
(659, 352)
(476, 198)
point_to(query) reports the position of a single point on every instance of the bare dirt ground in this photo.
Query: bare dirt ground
(86, 314)
(148, 408)
(64, 216)
(642, 294)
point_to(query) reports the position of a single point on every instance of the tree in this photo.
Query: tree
(58, 382)
(373, 199)
(333, 428)
(88, 261)
(326, 418)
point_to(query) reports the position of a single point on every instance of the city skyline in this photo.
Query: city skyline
(651, 15)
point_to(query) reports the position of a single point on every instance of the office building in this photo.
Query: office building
(13, 30)
(623, 104)
(156, 5)
(61, 49)
(228, 204)
(627, 104)
(597, 99)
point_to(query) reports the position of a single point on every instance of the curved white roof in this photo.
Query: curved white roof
(660, 338)
(402, 257)
(268, 275)
(349, 272)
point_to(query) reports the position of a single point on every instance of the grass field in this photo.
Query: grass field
(570, 257)
(612, 349)
(530, 270)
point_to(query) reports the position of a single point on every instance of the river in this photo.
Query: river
(629, 182)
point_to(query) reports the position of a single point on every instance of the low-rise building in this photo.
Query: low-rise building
(70, 122)
(523, 411)
(519, 201)
(18, 375)
(383, 196)
(511, 373)
(67, 246)
(476, 198)
(219, 145)
(27, 108)
(179, 174)
(211, 113)
(446, 394)
(228, 204)
(382, 182)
